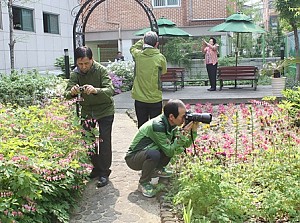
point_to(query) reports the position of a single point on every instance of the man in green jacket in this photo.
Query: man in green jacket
(157, 141)
(97, 107)
(150, 64)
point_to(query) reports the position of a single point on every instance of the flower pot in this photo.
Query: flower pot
(278, 85)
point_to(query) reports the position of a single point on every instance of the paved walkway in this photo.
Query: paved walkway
(119, 201)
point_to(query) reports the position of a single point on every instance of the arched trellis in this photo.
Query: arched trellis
(86, 10)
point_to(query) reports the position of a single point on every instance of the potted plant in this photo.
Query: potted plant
(274, 70)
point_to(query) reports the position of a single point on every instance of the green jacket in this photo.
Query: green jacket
(96, 105)
(150, 64)
(157, 134)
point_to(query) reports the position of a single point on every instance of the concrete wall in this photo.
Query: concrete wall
(38, 49)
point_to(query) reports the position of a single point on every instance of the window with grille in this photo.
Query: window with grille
(50, 23)
(165, 3)
(23, 19)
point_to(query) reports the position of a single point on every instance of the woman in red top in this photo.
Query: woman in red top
(210, 49)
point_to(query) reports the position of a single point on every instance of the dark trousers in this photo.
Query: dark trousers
(212, 74)
(145, 111)
(102, 161)
(147, 161)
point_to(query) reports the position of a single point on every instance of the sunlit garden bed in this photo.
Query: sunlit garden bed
(43, 163)
(244, 167)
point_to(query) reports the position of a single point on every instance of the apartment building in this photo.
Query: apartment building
(112, 24)
(42, 30)
(270, 16)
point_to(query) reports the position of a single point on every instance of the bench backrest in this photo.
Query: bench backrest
(237, 71)
(170, 75)
(179, 71)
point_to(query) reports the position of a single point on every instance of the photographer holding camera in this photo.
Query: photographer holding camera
(92, 86)
(210, 50)
(157, 141)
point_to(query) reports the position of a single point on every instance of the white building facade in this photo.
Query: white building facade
(42, 30)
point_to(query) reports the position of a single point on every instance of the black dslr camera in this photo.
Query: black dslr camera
(79, 95)
(198, 117)
(81, 89)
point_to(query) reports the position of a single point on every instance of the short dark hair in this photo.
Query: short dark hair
(172, 107)
(83, 51)
(150, 38)
(214, 40)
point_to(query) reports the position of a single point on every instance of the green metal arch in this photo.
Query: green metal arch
(82, 16)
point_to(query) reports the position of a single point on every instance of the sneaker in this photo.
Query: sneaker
(147, 189)
(163, 173)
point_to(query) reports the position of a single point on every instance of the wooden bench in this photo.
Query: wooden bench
(238, 73)
(175, 76)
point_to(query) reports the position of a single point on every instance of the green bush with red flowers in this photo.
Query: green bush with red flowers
(244, 166)
(43, 163)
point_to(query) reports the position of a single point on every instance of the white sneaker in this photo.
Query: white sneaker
(163, 173)
(154, 180)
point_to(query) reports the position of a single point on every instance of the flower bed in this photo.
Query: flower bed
(43, 163)
(122, 75)
(244, 167)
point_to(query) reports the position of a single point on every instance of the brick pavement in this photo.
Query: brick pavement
(119, 201)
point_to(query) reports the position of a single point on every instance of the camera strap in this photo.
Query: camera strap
(193, 142)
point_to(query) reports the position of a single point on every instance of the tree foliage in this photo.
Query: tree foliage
(289, 12)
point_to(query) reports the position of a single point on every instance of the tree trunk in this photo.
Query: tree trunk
(297, 52)
(12, 41)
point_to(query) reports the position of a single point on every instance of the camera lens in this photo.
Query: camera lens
(199, 117)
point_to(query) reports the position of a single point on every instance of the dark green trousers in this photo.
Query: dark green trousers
(147, 161)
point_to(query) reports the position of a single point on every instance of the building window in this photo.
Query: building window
(23, 19)
(165, 3)
(50, 23)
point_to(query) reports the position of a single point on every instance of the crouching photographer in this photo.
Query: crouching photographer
(159, 139)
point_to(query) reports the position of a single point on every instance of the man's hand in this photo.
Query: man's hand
(188, 127)
(192, 125)
(75, 90)
(195, 126)
(89, 89)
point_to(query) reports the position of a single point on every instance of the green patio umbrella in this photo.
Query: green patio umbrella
(238, 23)
(166, 27)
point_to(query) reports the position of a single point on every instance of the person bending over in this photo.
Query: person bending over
(92, 80)
(157, 141)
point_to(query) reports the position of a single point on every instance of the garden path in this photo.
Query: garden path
(119, 201)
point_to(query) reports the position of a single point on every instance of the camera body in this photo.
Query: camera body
(81, 89)
(198, 117)
(79, 94)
